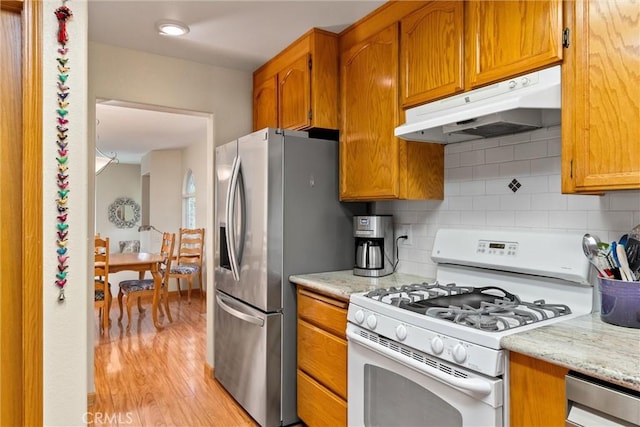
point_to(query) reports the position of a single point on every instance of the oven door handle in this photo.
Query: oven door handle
(473, 385)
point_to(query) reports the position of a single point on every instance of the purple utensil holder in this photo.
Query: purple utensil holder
(620, 302)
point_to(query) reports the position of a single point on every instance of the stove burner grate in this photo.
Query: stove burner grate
(418, 291)
(487, 308)
(500, 315)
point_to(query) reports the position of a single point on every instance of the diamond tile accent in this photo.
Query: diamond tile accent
(514, 185)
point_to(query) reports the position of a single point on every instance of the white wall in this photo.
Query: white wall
(139, 77)
(65, 324)
(165, 190)
(477, 195)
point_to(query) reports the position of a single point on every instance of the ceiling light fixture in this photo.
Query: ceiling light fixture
(172, 28)
(102, 160)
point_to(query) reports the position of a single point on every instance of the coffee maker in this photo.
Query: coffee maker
(374, 245)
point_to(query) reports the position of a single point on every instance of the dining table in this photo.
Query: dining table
(141, 262)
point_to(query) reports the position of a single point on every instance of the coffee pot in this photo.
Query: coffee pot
(368, 254)
(374, 253)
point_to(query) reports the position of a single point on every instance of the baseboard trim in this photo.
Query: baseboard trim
(208, 370)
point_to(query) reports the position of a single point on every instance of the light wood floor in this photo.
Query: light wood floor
(149, 378)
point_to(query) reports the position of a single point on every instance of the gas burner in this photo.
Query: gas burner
(499, 315)
(400, 296)
(397, 301)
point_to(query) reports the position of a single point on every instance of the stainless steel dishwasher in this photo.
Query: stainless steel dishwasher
(591, 402)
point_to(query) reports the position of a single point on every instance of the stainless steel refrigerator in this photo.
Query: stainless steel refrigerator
(277, 214)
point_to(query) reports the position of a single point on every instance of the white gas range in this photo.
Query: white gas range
(435, 347)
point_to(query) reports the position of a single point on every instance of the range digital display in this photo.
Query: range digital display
(497, 245)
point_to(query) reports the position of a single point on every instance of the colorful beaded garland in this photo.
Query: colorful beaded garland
(63, 14)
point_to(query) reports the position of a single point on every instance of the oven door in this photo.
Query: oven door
(391, 385)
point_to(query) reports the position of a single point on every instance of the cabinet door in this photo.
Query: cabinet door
(265, 104)
(369, 151)
(432, 52)
(317, 406)
(507, 38)
(601, 98)
(536, 384)
(294, 94)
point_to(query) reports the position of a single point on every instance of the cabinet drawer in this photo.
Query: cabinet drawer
(317, 406)
(323, 356)
(325, 312)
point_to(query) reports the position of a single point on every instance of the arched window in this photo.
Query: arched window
(189, 201)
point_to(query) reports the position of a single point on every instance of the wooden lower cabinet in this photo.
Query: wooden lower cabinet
(536, 392)
(322, 359)
(317, 406)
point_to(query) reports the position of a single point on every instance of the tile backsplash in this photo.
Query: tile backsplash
(507, 182)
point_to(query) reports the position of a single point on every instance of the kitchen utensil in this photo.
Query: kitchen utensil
(624, 264)
(614, 253)
(590, 248)
(623, 239)
(632, 249)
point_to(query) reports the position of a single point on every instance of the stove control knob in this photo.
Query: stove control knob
(401, 332)
(372, 322)
(459, 353)
(360, 316)
(437, 346)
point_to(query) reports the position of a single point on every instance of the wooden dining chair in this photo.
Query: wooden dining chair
(102, 288)
(139, 288)
(189, 259)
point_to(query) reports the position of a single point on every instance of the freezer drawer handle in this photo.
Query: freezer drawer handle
(240, 315)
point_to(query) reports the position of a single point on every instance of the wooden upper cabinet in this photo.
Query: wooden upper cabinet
(294, 94)
(601, 97)
(507, 38)
(369, 151)
(374, 164)
(298, 88)
(432, 52)
(265, 103)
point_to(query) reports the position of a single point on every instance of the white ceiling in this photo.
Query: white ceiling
(232, 34)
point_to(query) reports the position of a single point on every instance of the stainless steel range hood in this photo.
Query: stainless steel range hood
(517, 105)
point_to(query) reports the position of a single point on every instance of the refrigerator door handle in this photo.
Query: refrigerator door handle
(230, 213)
(237, 313)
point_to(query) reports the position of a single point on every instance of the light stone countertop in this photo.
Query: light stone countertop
(585, 344)
(343, 283)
